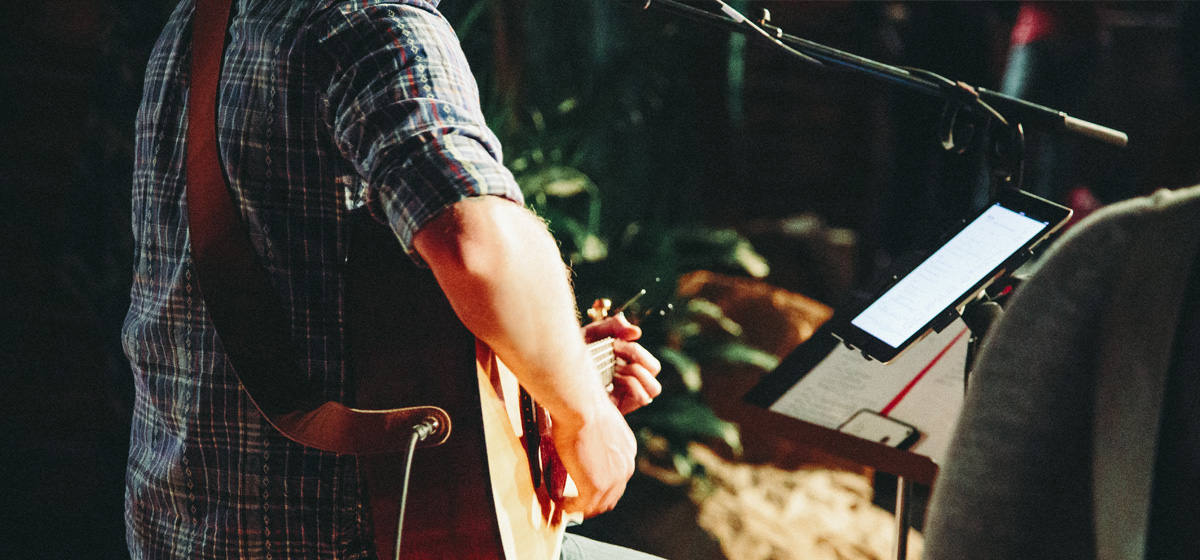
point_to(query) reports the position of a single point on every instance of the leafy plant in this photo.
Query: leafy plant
(682, 333)
(561, 151)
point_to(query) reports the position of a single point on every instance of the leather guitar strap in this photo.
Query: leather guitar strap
(244, 307)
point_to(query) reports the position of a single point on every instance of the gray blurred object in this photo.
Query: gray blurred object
(1058, 444)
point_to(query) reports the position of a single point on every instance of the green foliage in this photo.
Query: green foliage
(583, 135)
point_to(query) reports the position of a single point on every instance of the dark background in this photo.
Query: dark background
(678, 124)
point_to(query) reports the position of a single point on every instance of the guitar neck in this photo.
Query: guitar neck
(601, 352)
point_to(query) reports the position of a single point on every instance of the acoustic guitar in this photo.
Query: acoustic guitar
(488, 491)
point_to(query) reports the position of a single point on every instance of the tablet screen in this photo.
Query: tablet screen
(948, 274)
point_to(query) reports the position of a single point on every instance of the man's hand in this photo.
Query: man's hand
(599, 455)
(634, 383)
(488, 254)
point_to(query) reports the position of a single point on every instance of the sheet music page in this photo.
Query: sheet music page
(922, 387)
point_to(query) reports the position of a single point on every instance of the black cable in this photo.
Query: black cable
(420, 432)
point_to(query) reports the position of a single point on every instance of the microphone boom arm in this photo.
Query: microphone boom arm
(1018, 110)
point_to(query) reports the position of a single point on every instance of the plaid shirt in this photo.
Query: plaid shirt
(324, 106)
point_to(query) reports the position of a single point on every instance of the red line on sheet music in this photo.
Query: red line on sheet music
(904, 392)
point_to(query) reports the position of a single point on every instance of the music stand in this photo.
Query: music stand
(923, 388)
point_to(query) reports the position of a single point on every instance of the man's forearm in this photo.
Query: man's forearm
(502, 272)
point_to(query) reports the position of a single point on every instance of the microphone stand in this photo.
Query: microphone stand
(965, 105)
(966, 110)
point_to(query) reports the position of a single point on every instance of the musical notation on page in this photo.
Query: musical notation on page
(922, 387)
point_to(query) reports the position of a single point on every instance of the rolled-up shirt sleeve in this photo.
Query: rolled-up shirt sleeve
(404, 109)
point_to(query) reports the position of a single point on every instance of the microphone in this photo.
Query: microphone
(1095, 131)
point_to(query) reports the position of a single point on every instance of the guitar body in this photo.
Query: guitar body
(473, 496)
(530, 523)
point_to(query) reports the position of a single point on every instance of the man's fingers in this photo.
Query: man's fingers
(639, 376)
(633, 391)
(634, 353)
(617, 327)
(593, 504)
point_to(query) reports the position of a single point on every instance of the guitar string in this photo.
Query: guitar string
(602, 355)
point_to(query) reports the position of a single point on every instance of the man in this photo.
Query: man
(325, 106)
